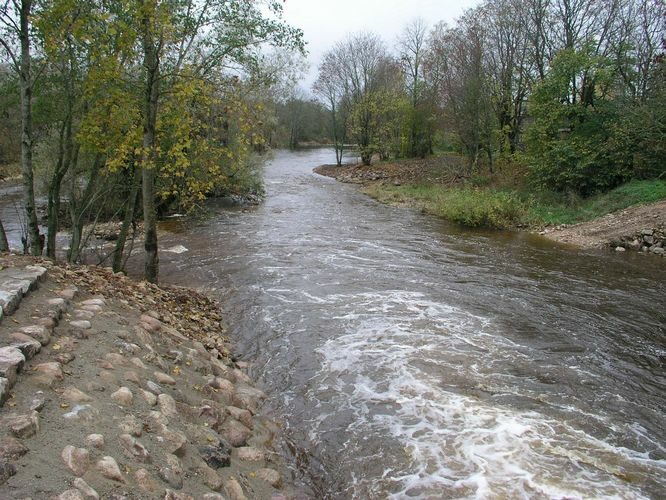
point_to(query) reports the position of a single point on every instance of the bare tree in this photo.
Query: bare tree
(411, 54)
(354, 66)
(331, 88)
(456, 57)
(508, 65)
(538, 36)
(647, 30)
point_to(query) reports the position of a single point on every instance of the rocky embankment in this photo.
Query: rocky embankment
(117, 389)
(647, 240)
(639, 228)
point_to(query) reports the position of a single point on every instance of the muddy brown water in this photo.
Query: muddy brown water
(408, 358)
(11, 214)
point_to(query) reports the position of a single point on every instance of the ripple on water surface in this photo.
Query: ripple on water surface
(410, 359)
(402, 381)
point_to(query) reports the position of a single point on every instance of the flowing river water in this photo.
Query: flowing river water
(410, 359)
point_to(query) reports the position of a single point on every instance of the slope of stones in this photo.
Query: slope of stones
(15, 284)
(102, 400)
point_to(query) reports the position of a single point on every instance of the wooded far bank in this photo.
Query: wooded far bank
(572, 91)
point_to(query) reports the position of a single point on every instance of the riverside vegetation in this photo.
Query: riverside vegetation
(487, 202)
(554, 110)
(629, 217)
(125, 110)
(174, 101)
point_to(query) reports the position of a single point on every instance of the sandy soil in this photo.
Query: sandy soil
(613, 227)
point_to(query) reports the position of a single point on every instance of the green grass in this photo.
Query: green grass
(488, 207)
(466, 206)
(549, 208)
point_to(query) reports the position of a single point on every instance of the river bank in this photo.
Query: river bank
(406, 357)
(432, 186)
(115, 388)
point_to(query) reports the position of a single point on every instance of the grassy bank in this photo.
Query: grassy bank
(509, 207)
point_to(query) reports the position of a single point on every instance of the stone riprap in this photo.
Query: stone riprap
(122, 405)
(15, 283)
(651, 241)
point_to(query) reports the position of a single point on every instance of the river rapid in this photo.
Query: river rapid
(408, 358)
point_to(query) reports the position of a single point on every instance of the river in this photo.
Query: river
(11, 213)
(408, 358)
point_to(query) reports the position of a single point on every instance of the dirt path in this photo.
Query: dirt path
(611, 229)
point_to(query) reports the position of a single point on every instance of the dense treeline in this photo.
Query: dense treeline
(300, 121)
(131, 106)
(574, 89)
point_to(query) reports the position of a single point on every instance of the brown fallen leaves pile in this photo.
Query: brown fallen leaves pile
(441, 169)
(189, 312)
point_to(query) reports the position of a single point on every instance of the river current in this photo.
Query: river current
(410, 359)
(407, 358)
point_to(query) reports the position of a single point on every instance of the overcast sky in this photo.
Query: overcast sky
(326, 22)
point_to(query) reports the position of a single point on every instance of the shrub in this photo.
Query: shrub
(482, 208)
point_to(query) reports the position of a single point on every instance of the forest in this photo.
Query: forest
(573, 91)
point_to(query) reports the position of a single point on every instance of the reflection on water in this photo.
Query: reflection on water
(408, 358)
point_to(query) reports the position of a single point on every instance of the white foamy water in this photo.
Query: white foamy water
(406, 368)
(409, 359)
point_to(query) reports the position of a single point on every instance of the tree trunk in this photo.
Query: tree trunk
(66, 157)
(75, 240)
(25, 81)
(292, 138)
(4, 244)
(151, 265)
(54, 194)
(62, 166)
(127, 222)
(78, 209)
(151, 95)
(338, 142)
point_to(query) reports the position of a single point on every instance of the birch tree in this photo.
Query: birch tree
(16, 40)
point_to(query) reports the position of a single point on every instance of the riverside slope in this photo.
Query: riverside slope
(625, 229)
(121, 389)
